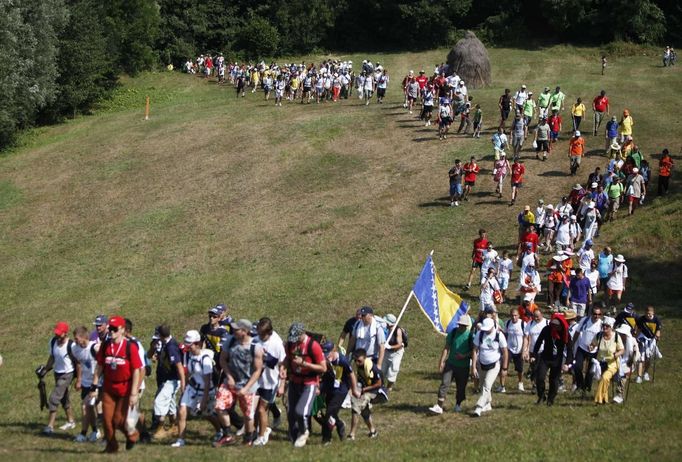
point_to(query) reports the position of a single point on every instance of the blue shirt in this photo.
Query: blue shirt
(337, 377)
(580, 288)
(168, 359)
(604, 265)
(612, 129)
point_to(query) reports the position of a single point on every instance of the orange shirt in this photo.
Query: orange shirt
(577, 146)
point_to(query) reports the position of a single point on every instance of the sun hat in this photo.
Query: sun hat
(390, 319)
(570, 314)
(486, 325)
(61, 328)
(624, 329)
(635, 170)
(549, 207)
(243, 324)
(526, 208)
(619, 258)
(608, 321)
(541, 201)
(295, 331)
(192, 336)
(577, 133)
(591, 205)
(594, 185)
(523, 86)
(577, 187)
(464, 321)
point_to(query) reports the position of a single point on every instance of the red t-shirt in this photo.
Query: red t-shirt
(480, 245)
(421, 80)
(533, 239)
(554, 123)
(470, 171)
(517, 172)
(118, 378)
(600, 103)
(311, 354)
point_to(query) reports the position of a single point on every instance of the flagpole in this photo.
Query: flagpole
(395, 326)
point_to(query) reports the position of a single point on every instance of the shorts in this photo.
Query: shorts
(192, 397)
(306, 89)
(477, 125)
(411, 98)
(267, 395)
(226, 397)
(632, 199)
(319, 90)
(579, 308)
(476, 264)
(504, 282)
(505, 114)
(85, 392)
(60, 394)
(381, 92)
(518, 141)
(517, 185)
(543, 145)
(470, 183)
(553, 135)
(517, 358)
(456, 189)
(428, 110)
(444, 122)
(358, 405)
(164, 401)
(614, 292)
(603, 281)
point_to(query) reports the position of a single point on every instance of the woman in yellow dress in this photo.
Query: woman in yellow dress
(577, 112)
(609, 349)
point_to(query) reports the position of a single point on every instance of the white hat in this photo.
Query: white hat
(461, 82)
(577, 133)
(523, 86)
(594, 185)
(192, 336)
(390, 319)
(591, 205)
(549, 207)
(560, 258)
(608, 321)
(615, 146)
(619, 258)
(624, 329)
(635, 170)
(486, 325)
(464, 320)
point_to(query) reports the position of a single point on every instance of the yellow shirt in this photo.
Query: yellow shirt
(578, 110)
(625, 127)
(294, 83)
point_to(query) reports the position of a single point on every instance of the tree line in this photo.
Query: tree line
(59, 57)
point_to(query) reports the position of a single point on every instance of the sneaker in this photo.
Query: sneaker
(373, 434)
(487, 408)
(436, 409)
(94, 436)
(456, 203)
(302, 439)
(646, 379)
(68, 426)
(520, 387)
(130, 445)
(48, 430)
(637, 380)
(81, 438)
(216, 436)
(260, 441)
(226, 440)
(350, 437)
(618, 399)
(500, 389)
(241, 431)
(458, 408)
(477, 412)
(180, 443)
(452, 204)
(266, 435)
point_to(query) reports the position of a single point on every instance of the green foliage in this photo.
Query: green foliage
(258, 38)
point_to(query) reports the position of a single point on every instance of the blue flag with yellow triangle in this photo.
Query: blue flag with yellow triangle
(442, 306)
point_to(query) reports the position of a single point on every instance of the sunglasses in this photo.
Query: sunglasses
(597, 315)
(113, 329)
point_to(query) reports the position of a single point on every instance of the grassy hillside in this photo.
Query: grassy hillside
(305, 213)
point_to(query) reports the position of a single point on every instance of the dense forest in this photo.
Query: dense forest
(59, 57)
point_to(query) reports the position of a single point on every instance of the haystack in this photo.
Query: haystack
(469, 59)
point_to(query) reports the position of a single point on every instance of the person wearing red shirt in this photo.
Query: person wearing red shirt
(554, 122)
(480, 244)
(529, 237)
(422, 80)
(470, 170)
(305, 363)
(517, 171)
(600, 105)
(118, 361)
(441, 85)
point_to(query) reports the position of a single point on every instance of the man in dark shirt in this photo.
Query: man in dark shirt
(170, 377)
(334, 387)
(348, 328)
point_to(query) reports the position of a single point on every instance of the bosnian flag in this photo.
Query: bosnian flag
(442, 306)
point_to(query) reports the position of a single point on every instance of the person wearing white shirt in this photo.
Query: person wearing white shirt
(505, 266)
(84, 351)
(514, 330)
(592, 274)
(271, 382)
(617, 278)
(368, 335)
(368, 88)
(540, 214)
(489, 285)
(587, 329)
(520, 98)
(490, 348)
(586, 255)
(529, 282)
(490, 259)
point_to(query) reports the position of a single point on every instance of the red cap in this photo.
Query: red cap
(117, 321)
(61, 328)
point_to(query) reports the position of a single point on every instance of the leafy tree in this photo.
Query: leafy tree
(258, 38)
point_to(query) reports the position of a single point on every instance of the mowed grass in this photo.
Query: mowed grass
(307, 212)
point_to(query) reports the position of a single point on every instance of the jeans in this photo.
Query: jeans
(582, 380)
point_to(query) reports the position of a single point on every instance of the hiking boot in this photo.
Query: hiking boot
(436, 409)
(302, 439)
(341, 429)
(129, 445)
(161, 433)
(68, 426)
(226, 440)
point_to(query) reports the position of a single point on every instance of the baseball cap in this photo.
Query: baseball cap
(523, 86)
(487, 325)
(366, 310)
(100, 320)
(588, 242)
(61, 328)
(215, 310)
(327, 347)
(117, 321)
(243, 324)
(295, 331)
(192, 336)
(629, 307)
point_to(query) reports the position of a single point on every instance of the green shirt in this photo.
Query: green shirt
(528, 107)
(459, 343)
(614, 190)
(557, 100)
(543, 99)
(478, 115)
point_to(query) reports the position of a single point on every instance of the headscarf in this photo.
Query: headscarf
(556, 333)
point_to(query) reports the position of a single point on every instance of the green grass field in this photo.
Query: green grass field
(306, 213)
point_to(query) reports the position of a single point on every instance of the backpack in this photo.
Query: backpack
(69, 351)
(497, 336)
(506, 326)
(406, 340)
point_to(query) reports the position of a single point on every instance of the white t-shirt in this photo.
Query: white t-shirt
(273, 349)
(488, 348)
(382, 81)
(563, 234)
(370, 337)
(540, 214)
(585, 257)
(62, 360)
(514, 333)
(617, 279)
(200, 365)
(369, 83)
(87, 362)
(504, 268)
(532, 331)
(593, 276)
(588, 330)
(487, 288)
(520, 97)
(489, 257)
(527, 259)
